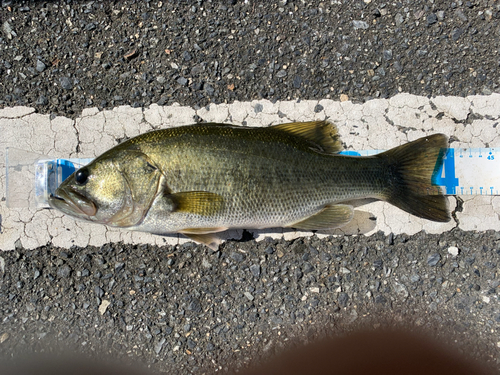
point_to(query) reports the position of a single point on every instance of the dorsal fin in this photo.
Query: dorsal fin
(322, 133)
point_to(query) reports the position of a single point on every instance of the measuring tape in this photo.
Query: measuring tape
(465, 171)
(49, 174)
(471, 171)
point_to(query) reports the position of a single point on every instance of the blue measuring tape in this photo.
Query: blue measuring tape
(65, 168)
(445, 175)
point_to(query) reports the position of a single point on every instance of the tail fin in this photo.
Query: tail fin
(412, 168)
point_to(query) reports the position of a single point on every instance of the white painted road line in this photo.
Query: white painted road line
(377, 124)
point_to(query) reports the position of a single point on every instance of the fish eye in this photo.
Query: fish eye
(81, 176)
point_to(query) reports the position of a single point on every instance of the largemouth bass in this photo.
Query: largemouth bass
(202, 179)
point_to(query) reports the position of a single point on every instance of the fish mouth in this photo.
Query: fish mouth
(72, 203)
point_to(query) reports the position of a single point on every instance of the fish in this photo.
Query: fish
(202, 179)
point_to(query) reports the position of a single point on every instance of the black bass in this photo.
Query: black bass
(202, 179)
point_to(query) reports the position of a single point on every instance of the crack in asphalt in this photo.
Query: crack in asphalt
(458, 208)
(355, 116)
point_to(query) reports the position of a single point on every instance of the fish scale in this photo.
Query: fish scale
(205, 178)
(249, 200)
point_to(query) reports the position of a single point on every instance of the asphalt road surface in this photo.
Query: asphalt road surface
(185, 308)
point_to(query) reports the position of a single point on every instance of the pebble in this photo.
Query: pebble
(205, 263)
(453, 250)
(390, 237)
(344, 270)
(308, 267)
(18, 244)
(65, 83)
(4, 337)
(119, 266)
(414, 278)
(238, 257)
(255, 269)
(103, 306)
(182, 81)
(400, 290)
(359, 24)
(191, 344)
(258, 108)
(399, 19)
(195, 305)
(343, 299)
(431, 19)
(433, 259)
(282, 73)
(209, 89)
(63, 271)
(298, 273)
(168, 330)
(159, 345)
(488, 14)
(318, 108)
(456, 34)
(40, 66)
(99, 292)
(249, 296)
(7, 29)
(461, 15)
(269, 250)
(297, 82)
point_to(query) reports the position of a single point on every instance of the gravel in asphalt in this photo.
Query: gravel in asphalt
(184, 306)
(197, 311)
(64, 56)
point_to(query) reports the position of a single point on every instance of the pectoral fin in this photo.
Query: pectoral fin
(330, 217)
(196, 202)
(205, 236)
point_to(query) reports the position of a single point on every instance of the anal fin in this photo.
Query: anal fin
(205, 236)
(332, 216)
